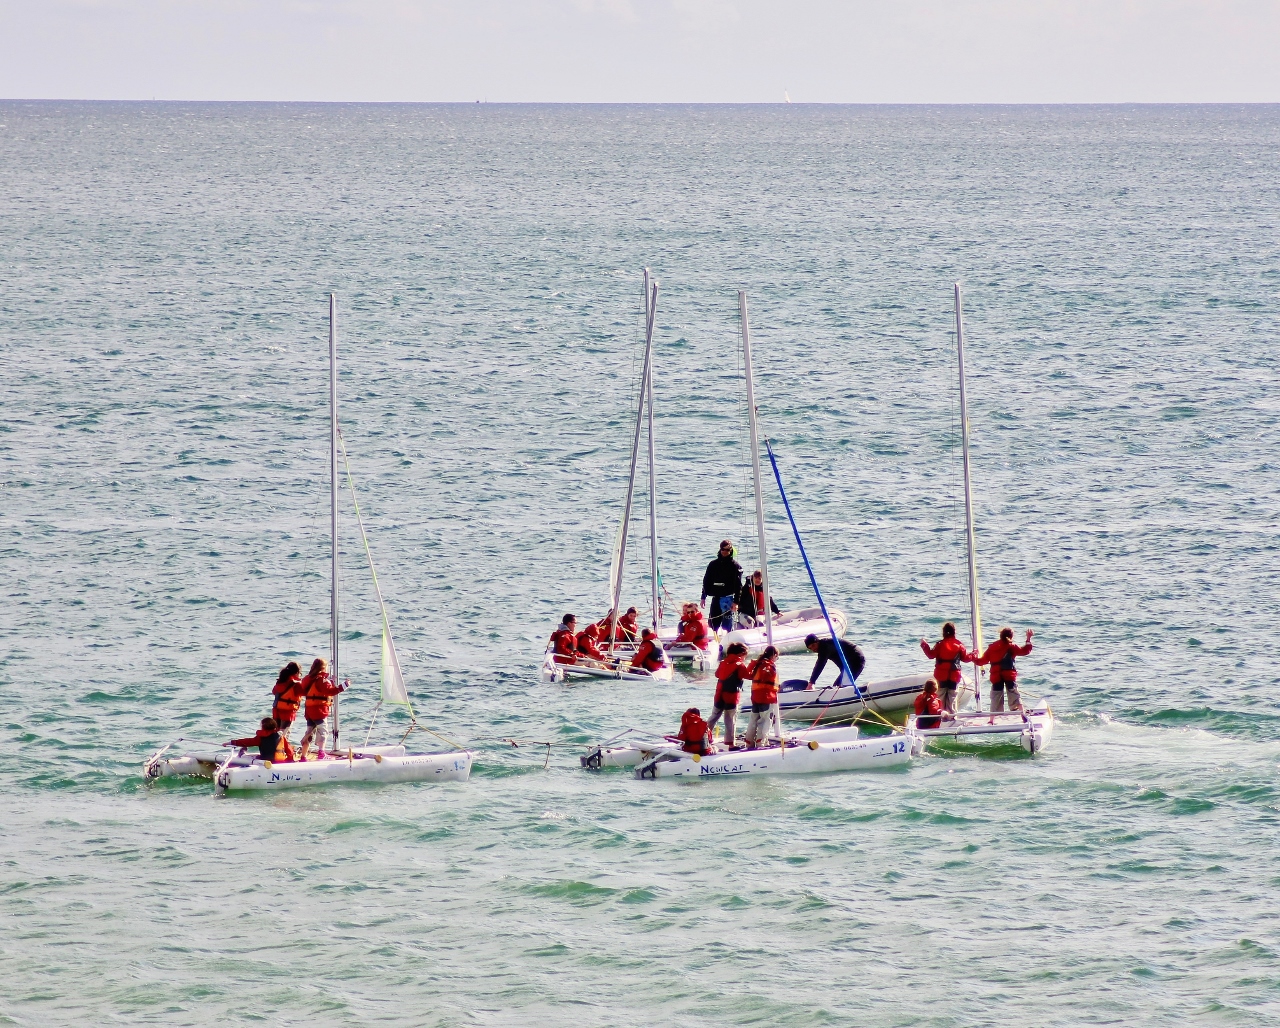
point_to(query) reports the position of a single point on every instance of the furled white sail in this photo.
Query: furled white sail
(393, 687)
(615, 569)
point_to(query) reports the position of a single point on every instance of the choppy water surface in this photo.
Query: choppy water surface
(164, 517)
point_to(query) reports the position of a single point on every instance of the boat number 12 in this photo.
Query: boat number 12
(898, 747)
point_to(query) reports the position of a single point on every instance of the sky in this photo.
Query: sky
(649, 51)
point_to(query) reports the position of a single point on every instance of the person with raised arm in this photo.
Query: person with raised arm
(271, 742)
(947, 654)
(1004, 675)
(320, 691)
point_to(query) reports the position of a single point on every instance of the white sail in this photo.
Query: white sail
(393, 687)
(615, 568)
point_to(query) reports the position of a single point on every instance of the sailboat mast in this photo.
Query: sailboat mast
(333, 501)
(651, 304)
(975, 615)
(621, 554)
(755, 465)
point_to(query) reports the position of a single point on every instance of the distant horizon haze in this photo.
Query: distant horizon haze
(627, 51)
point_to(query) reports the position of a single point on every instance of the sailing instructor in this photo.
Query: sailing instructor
(721, 583)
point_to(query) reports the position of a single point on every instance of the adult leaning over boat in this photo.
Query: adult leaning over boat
(854, 659)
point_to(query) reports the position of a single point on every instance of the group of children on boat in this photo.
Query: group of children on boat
(732, 675)
(932, 706)
(313, 693)
(948, 653)
(640, 648)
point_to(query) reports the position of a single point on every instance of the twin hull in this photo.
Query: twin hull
(634, 753)
(812, 758)
(414, 767)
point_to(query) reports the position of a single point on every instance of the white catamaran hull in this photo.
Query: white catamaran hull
(1031, 729)
(364, 767)
(202, 763)
(825, 704)
(790, 629)
(631, 754)
(811, 758)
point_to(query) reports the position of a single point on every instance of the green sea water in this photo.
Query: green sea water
(164, 520)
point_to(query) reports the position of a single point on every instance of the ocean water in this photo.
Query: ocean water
(164, 509)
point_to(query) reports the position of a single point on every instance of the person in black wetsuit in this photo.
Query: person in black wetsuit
(721, 583)
(826, 651)
(751, 602)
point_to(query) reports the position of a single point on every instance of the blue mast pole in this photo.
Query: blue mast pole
(844, 662)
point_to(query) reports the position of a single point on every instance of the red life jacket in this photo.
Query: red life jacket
(693, 732)
(764, 681)
(565, 646)
(694, 631)
(320, 694)
(587, 643)
(926, 704)
(1000, 656)
(947, 654)
(649, 656)
(626, 631)
(272, 746)
(729, 676)
(288, 696)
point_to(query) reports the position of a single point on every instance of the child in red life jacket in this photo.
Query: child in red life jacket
(588, 645)
(649, 657)
(628, 626)
(693, 627)
(947, 654)
(1004, 675)
(763, 673)
(272, 745)
(564, 641)
(928, 706)
(321, 689)
(287, 697)
(604, 628)
(729, 678)
(693, 733)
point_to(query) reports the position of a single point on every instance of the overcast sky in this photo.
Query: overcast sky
(832, 51)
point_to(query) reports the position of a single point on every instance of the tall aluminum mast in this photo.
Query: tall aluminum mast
(333, 501)
(975, 614)
(755, 464)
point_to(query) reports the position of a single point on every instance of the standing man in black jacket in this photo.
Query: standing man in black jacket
(721, 583)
